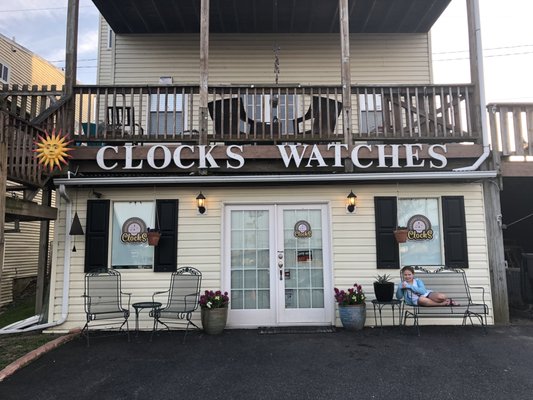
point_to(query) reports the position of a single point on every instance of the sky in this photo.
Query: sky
(506, 26)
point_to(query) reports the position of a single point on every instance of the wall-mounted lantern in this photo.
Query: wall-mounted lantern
(351, 203)
(200, 201)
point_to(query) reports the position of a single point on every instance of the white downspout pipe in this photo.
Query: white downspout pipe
(481, 88)
(22, 326)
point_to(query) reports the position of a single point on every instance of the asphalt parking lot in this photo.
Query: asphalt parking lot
(443, 363)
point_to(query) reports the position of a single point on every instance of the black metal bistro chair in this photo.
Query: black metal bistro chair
(182, 301)
(322, 115)
(103, 300)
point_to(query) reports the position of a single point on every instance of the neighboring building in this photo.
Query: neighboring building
(19, 66)
(275, 124)
(22, 67)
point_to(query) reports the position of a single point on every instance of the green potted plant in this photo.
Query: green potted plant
(383, 288)
(214, 311)
(352, 307)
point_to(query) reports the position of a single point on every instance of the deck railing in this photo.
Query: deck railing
(27, 102)
(20, 137)
(268, 114)
(511, 126)
(425, 113)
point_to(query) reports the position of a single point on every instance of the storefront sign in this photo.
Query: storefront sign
(419, 228)
(160, 157)
(134, 231)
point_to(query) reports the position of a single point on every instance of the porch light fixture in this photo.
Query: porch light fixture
(200, 201)
(350, 206)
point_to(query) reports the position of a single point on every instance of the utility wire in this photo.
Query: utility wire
(487, 49)
(38, 9)
(486, 56)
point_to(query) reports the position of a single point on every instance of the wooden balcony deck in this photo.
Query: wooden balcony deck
(247, 115)
(511, 126)
(252, 114)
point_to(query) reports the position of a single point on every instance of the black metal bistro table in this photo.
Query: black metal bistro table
(152, 305)
(379, 305)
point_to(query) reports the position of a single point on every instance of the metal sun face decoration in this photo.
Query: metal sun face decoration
(52, 150)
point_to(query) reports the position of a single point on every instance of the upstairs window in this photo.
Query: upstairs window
(371, 113)
(4, 73)
(279, 109)
(110, 37)
(167, 114)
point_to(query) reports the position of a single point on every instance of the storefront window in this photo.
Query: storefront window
(129, 244)
(424, 244)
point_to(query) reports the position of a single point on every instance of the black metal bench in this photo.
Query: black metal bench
(454, 284)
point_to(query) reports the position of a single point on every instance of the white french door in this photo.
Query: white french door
(277, 265)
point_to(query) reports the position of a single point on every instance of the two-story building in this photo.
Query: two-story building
(276, 145)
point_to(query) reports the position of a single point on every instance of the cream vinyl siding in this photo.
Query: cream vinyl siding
(105, 56)
(304, 58)
(201, 245)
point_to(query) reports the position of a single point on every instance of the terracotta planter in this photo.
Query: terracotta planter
(353, 317)
(214, 320)
(401, 235)
(153, 238)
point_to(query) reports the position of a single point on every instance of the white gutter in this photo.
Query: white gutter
(27, 325)
(221, 179)
(481, 88)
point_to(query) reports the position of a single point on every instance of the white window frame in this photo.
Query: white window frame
(149, 221)
(402, 221)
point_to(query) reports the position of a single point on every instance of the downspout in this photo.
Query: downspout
(481, 88)
(23, 326)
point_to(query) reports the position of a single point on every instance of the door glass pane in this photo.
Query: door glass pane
(304, 266)
(250, 274)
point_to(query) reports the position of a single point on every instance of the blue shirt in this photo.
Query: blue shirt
(413, 292)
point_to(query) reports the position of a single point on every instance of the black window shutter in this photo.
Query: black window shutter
(166, 252)
(455, 244)
(97, 235)
(387, 252)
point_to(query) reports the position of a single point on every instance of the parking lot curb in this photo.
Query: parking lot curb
(38, 352)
